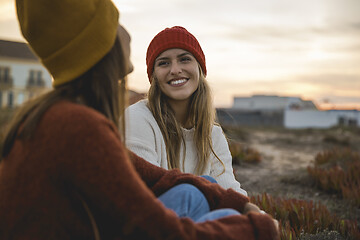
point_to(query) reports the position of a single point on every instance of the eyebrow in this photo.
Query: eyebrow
(178, 56)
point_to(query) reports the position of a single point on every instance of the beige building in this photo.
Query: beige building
(21, 74)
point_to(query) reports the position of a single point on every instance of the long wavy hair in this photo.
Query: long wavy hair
(98, 88)
(201, 117)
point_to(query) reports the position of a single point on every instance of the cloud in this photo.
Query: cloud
(10, 30)
(266, 33)
(330, 83)
(337, 83)
(265, 46)
(7, 10)
(277, 33)
(335, 87)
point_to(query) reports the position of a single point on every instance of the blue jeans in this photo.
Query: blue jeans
(209, 178)
(188, 201)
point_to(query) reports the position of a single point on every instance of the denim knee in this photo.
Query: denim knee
(209, 178)
(186, 188)
(181, 192)
(186, 200)
(217, 214)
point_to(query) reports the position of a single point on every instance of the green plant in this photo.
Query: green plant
(325, 235)
(297, 217)
(338, 170)
(336, 140)
(241, 153)
(336, 156)
(235, 133)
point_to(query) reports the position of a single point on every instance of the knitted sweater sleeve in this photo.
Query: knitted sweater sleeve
(160, 180)
(142, 133)
(223, 174)
(97, 166)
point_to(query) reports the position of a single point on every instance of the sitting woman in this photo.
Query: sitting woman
(175, 127)
(65, 173)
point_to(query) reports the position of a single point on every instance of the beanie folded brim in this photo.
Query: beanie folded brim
(175, 37)
(175, 44)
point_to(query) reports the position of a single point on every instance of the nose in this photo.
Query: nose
(175, 68)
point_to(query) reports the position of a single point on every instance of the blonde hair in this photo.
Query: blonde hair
(201, 117)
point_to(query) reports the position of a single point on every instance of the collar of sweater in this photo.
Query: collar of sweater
(188, 133)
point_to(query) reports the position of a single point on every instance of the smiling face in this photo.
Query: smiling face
(177, 73)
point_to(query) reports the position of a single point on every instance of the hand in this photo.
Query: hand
(250, 207)
(276, 224)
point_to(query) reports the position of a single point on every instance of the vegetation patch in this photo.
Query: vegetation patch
(305, 218)
(242, 153)
(338, 170)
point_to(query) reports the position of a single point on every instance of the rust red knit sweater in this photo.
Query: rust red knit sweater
(76, 150)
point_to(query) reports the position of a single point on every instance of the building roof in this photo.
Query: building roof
(272, 102)
(17, 50)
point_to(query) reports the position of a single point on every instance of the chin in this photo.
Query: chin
(181, 98)
(178, 98)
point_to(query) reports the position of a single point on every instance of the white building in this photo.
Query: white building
(321, 119)
(271, 103)
(21, 74)
(289, 112)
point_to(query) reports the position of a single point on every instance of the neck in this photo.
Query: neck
(181, 109)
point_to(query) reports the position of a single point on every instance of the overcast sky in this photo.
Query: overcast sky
(308, 48)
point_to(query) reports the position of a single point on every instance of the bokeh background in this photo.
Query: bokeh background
(308, 49)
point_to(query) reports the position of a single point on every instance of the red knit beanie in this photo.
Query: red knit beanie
(175, 37)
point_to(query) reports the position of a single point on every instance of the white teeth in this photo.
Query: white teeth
(176, 82)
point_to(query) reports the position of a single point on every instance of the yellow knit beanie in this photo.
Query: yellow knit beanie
(69, 36)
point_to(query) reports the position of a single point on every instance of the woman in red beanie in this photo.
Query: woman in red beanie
(65, 173)
(175, 127)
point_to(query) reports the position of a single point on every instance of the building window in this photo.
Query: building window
(20, 98)
(35, 79)
(10, 99)
(5, 76)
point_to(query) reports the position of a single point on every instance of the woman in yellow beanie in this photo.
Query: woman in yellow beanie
(65, 173)
(175, 127)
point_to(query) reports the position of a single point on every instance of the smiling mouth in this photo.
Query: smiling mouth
(178, 82)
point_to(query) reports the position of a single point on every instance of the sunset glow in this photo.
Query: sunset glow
(304, 48)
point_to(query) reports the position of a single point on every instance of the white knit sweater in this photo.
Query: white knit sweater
(144, 137)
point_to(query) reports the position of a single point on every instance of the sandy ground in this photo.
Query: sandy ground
(285, 157)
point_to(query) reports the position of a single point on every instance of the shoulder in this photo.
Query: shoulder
(219, 140)
(217, 131)
(67, 115)
(138, 110)
(139, 113)
(65, 110)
